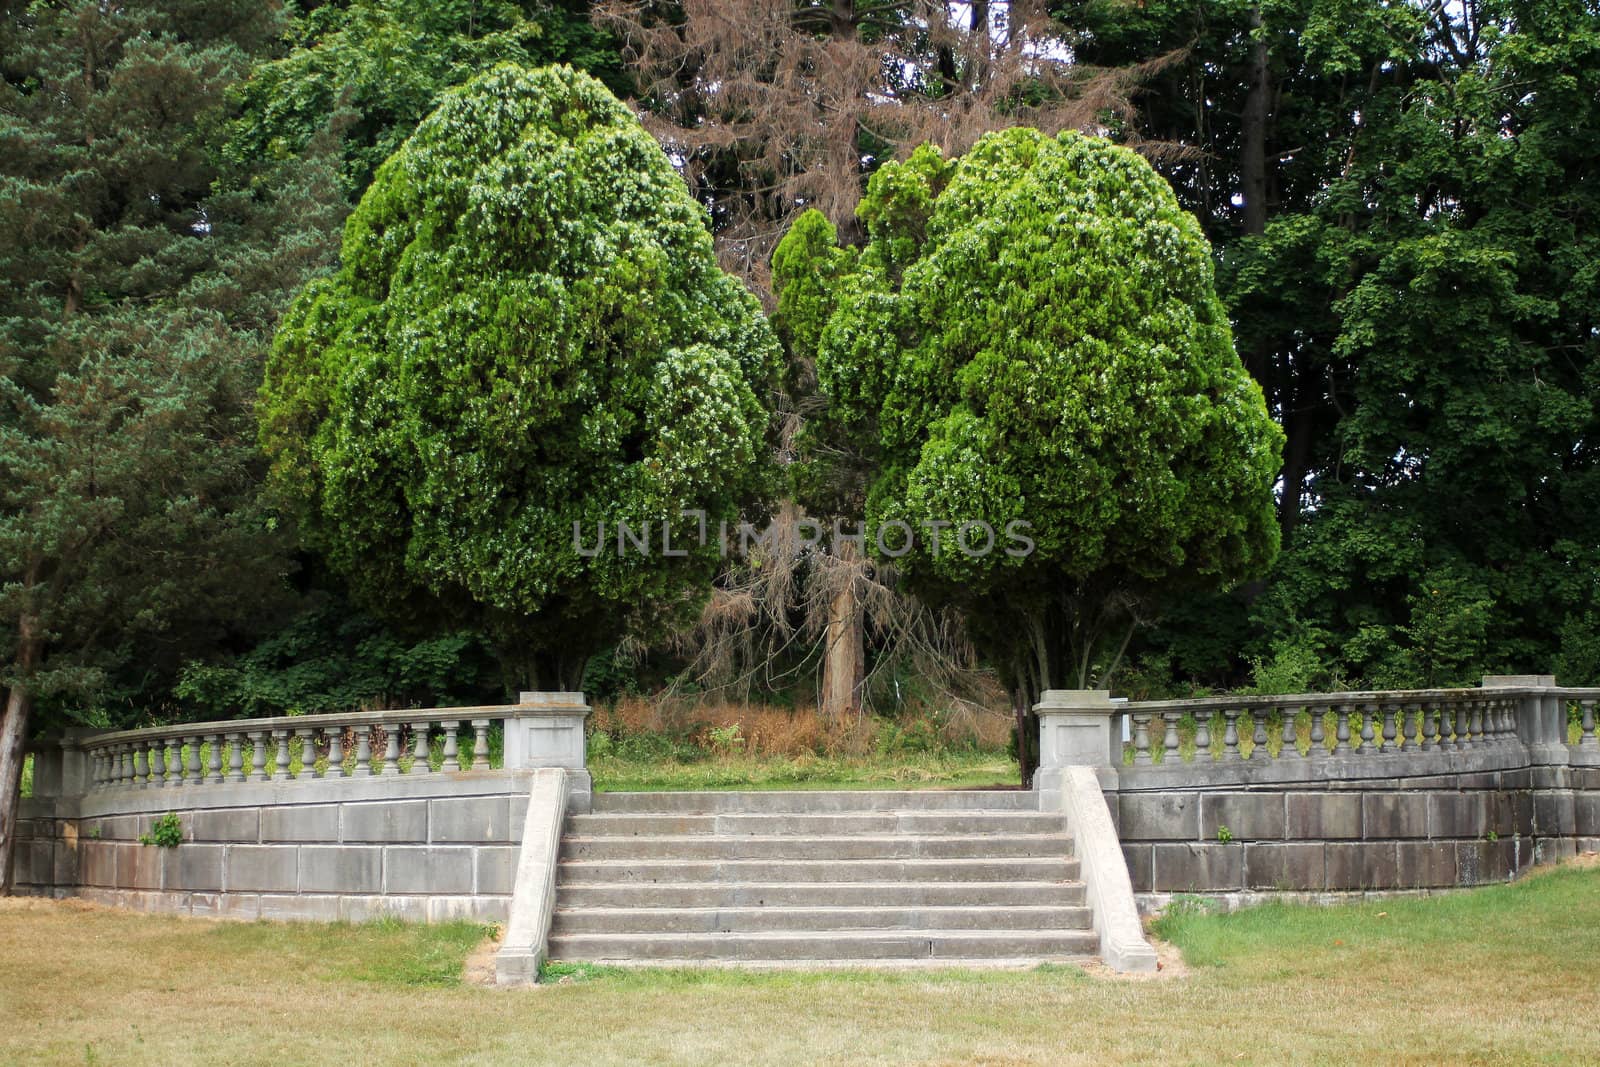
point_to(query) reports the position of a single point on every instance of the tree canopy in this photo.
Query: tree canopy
(528, 337)
(1032, 335)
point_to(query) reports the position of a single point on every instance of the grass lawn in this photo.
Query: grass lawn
(944, 770)
(1490, 976)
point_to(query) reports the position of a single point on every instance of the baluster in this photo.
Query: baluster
(1258, 739)
(1319, 736)
(308, 751)
(480, 744)
(142, 768)
(1341, 736)
(1462, 736)
(258, 755)
(1169, 743)
(1391, 726)
(214, 760)
(174, 767)
(127, 764)
(1289, 747)
(452, 761)
(1141, 737)
(1508, 721)
(1368, 712)
(191, 761)
(363, 767)
(1230, 733)
(1587, 738)
(280, 761)
(1475, 724)
(1410, 727)
(1430, 726)
(419, 749)
(391, 749)
(235, 742)
(335, 752)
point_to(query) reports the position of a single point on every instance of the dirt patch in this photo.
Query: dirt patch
(479, 969)
(1169, 965)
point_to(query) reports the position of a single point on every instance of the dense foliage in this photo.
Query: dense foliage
(1032, 336)
(528, 337)
(1417, 295)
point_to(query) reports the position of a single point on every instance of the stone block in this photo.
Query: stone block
(1586, 814)
(1198, 868)
(99, 862)
(385, 820)
(239, 906)
(1139, 859)
(302, 822)
(1291, 865)
(496, 869)
(341, 869)
(1361, 865)
(194, 868)
(1426, 864)
(519, 811)
(260, 868)
(139, 866)
(1452, 815)
(1484, 861)
(360, 909)
(1391, 815)
(227, 824)
(1500, 813)
(299, 906)
(477, 820)
(478, 909)
(67, 865)
(1553, 813)
(1248, 816)
(1158, 816)
(426, 869)
(1323, 816)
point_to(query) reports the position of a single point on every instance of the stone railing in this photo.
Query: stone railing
(544, 730)
(1508, 723)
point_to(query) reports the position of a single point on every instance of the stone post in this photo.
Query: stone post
(547, 731)
(1076, 729)
(1541, 720)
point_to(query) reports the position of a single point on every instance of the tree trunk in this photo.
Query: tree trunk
(844, 666)
(13, 739)
(1253, 152)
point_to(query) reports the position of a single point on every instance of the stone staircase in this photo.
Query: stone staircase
(956, 878)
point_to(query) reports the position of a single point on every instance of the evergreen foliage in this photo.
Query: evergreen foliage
(528, 337)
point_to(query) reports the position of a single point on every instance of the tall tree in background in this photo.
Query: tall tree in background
(374, 69)
(1032, 347)
(773, 107)
(141, 282)
(1403, 213)
(528, 342)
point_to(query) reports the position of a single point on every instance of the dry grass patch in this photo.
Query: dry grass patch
(1490, 976)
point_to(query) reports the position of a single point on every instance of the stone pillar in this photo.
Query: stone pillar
(547, 731)
(1541, 720)
(1077, 728)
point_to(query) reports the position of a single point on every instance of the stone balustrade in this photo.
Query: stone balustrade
(544, 730)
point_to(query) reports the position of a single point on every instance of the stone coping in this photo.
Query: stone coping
(1360, 698)
(137, 800)
(526, 710)
(1322, 770)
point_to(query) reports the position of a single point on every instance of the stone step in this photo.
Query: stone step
(818, 801)
(798, 847)
(777, 822)
(818, 894)
(671, 871)
(710, 920)
(828, 945)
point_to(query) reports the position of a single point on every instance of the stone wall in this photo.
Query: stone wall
(1379, 834)
(434, 847)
